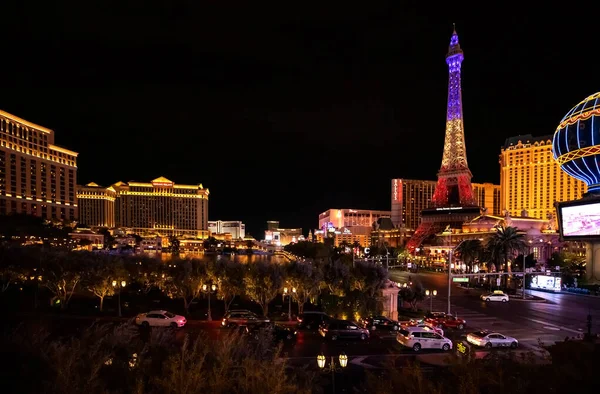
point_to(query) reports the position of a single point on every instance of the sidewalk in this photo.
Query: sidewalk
(577, 294)
(443, 359)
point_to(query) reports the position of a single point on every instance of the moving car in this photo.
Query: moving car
(418, 338)
(242, 317)
(495, 296)
(491, 339)
(160, 319)
(343, 329)
(442, 320)
(380, 323)
(312, 319)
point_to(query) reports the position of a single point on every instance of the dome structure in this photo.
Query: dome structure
(576, 142)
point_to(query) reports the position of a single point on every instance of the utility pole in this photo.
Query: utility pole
(449, 278)
(524, 275)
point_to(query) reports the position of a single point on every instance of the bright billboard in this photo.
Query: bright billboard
(579, 220)
(546, 282)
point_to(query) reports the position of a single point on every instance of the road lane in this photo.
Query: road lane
(560, 316)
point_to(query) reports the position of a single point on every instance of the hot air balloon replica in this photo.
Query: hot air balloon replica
(576, 148)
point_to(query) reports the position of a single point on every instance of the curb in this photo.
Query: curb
(539, 301)
(579, 295)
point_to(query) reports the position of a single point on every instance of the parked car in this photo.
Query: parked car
(491, 339)
(242, 317)
(442, 320)
(380, 323)
(312, 320)
(343, 329)
(278, 331)
(422, 324)
(495, 296)
(160, 319)
(418, 338)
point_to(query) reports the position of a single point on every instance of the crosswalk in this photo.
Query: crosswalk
(526, 335)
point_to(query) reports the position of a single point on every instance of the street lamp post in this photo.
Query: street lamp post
(332, 367)
(285, 292)
(116, 286)
(209, 290)
(449, 277)
(430, 294)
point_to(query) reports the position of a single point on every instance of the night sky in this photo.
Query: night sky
(285, 112)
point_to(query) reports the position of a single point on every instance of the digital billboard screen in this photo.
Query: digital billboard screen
(579, 220)
(546, 282)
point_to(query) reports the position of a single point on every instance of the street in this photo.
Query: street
(560, 316)
(555, 318)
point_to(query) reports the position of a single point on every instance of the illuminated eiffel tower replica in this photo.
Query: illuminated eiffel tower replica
(453, 200)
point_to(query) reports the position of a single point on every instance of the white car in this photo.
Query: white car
(489, 340)
(421, 324)
(495, 296)
(418, 338)
(160, 319)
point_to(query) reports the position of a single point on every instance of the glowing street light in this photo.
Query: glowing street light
(431, 294)
(286, 291)
(343, 360)
(115, 284)
(332, 367)
(321, 361)
(209, 289)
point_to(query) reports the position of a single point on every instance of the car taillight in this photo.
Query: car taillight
(299, 320)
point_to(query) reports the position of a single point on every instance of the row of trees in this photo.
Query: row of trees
(69, 273)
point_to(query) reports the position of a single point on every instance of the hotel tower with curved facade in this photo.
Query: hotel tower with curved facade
(36, 177)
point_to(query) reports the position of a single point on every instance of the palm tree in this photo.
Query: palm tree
(469, 251)
(505, 243)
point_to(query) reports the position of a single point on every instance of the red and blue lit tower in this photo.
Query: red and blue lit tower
(453, 199)
(454, 178)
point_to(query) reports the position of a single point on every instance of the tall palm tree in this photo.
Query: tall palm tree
(505, 243)
(469, 251)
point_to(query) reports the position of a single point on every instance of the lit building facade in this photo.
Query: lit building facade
(162, 207)
(282, 236)
(357, 221)
(36, 177)
(96, 205)
(487, 195)
(531, 180)
(540, 235)
(235, 228)
(341, 236)
(411, 196)
(384, 233)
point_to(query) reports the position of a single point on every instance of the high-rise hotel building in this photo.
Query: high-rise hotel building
(531, 180)
(411, 196)
(96, 205)
(160, 207)
(36, 177)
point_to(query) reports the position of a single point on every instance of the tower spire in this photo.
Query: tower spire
(454, 178)
(453, 198)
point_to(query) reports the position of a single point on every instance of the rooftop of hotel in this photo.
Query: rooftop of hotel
(525, 139)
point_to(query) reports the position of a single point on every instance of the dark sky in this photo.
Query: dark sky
(284, 112)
